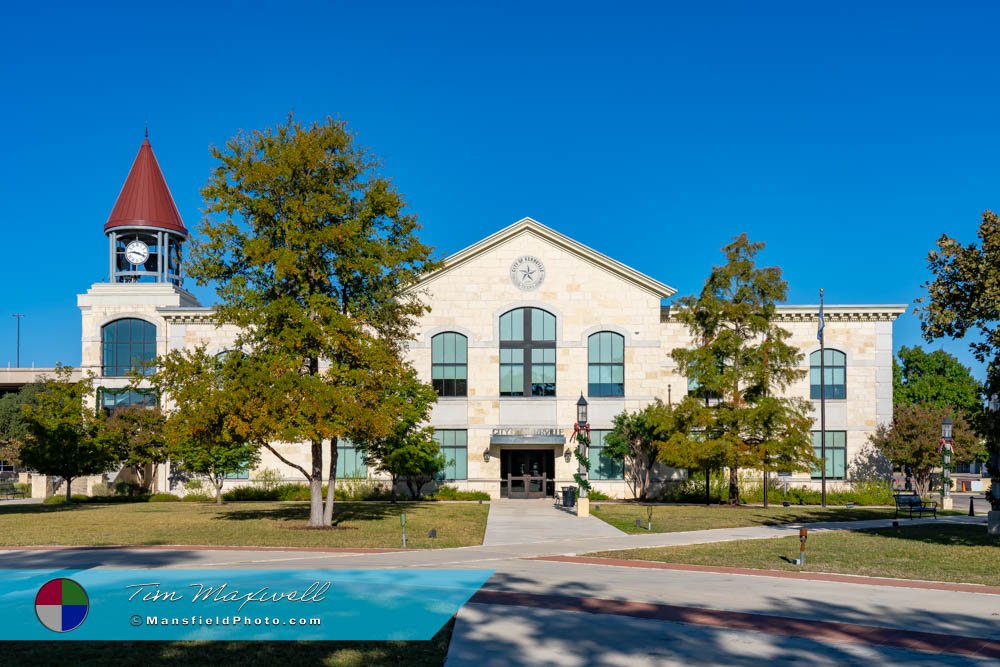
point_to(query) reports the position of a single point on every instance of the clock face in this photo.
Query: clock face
(137, 252)
(527, 272)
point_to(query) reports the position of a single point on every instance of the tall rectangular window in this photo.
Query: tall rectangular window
(601, 465)
(836, 454)
(454, 445)
(450, 364)
(527, 353)
(350, 460)
(606, 364)
(833, 368)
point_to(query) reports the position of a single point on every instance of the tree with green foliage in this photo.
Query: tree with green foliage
(964, 298)
(936, 379)
(418, 459)
(13, 426)
(409, 450)
(138, 433)
(913, 440)
(686, 437)
(206, 431)
(315, 261)
(742, 356)
(66, 435)
(635, 441)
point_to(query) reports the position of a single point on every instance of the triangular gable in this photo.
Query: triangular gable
(578, 249)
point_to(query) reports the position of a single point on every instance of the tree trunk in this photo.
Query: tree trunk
(734, 485)
(69, 489)
(708, 486)
(392, 489)
(316, 487)
(218, 491)
(331, 485)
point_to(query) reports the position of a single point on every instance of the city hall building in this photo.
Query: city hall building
(521, 325)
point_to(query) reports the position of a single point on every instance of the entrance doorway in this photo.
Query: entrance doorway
(527, 473)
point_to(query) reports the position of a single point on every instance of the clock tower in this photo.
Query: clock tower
(145, 232)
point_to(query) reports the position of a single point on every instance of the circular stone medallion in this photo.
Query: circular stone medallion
(527, 272)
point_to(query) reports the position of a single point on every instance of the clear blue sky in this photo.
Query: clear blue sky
(847, 136)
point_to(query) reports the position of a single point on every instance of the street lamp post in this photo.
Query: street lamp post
(581, 432)
(947, 443)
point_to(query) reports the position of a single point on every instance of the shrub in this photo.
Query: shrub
(130, 489)
(451, 493)
(164, 498)
(243, 493)
(871, 492)
(197, 498)
(267, 479)
(61, 499)
(23, 487)
(359, 488)
(288, 492)
(100, 489)
(594, 494)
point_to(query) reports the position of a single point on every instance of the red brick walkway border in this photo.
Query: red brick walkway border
(781, 574)
(823, 631)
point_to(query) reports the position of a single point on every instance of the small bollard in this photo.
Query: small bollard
(803, 536)
(432, 533)
(649, 518)
(638, 523)
(972, 507)
(402, 523)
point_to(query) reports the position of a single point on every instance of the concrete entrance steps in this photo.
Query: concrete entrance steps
(533, 521)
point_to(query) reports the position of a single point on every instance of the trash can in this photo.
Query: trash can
(569, 496)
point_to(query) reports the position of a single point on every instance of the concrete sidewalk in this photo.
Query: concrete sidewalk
(536, 521)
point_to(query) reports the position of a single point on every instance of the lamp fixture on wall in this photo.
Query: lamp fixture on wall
(486, 455)
(568, 455)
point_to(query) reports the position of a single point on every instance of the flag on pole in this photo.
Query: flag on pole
(819, 331)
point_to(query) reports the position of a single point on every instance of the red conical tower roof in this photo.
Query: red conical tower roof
(145, 199)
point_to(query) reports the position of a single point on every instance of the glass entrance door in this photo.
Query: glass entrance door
(527, 473)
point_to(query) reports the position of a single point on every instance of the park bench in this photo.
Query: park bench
(8, 490)
(911, 502)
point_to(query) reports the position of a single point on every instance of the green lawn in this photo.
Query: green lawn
(357, 524)
(246, 654)
(678, 518)
(934, 552)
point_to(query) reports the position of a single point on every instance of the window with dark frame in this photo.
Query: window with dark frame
(836, 454)
(528, 353)
(450, 364)
(606, 364)
(115, 399)
(127, 344)
(835, 371)
(601, 465)
(454, 445)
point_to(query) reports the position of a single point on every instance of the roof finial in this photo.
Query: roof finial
(147, 129)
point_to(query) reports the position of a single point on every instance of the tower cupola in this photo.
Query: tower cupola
(145, 231)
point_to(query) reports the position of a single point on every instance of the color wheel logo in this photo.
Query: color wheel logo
(61, 605)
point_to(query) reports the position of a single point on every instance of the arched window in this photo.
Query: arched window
(528, 353)
(835, 371)
(606, 364)
(128, 345)
(450, 364)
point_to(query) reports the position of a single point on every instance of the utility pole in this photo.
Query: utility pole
(18, 316)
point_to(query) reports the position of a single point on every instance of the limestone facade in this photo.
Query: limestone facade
(587, 293)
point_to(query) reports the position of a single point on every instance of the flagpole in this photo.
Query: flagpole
(822, 398)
